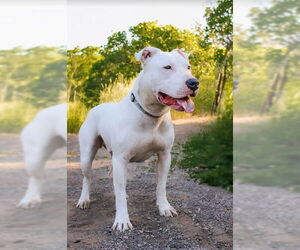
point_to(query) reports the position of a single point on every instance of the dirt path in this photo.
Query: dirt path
(265, 218)
(37, 228)
(205, 213)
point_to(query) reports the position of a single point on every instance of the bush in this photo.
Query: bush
(76, 115)
(14, 116)
(114, 92)
(207, 156)
(77, 111)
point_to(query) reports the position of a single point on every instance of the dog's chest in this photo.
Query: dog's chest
(148, 145)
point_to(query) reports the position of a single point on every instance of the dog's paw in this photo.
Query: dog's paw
(122, 224)
(29, 203)
(166, 210)
(83, 204)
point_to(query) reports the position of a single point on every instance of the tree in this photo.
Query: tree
(115, 61)
(80, 63)
(219, 32)
(279, 25)
(45, 90)
(29, 74)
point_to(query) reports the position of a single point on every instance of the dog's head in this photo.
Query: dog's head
(168, 75)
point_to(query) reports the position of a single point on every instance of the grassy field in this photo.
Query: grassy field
(267, 153)
(14, 116)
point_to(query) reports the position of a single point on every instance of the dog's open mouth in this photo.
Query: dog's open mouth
(180, 104)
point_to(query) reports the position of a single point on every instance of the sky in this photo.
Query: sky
(93, 24)
(241, 9)
(59, 24)
(32, 25)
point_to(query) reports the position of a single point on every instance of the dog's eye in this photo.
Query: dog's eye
(168, 67)
(189, 67)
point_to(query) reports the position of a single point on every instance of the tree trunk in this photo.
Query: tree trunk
(220, 89)
(224, 78)
(3, 93)
(272, 93)
(279, 82)
(70, 92)
(283, 81)
(221, 80)
(217, 93)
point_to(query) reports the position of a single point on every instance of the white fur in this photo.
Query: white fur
(132, 136)
(40, 138)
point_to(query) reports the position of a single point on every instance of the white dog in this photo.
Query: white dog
(139, 126)
(40, 138)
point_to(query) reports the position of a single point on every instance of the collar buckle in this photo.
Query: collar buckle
(132, 97)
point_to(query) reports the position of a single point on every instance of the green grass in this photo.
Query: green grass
(207, 156)
(268, 154)
(76, 115)
(15, 115)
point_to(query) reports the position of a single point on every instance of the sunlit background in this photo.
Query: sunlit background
(266, 124)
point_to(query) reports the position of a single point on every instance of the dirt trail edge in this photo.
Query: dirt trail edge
(205, 213)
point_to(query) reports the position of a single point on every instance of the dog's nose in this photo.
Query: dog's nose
(192, 84)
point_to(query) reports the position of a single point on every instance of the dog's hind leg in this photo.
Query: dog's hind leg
(34, 167)
(89, 142)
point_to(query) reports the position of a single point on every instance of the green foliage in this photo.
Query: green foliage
(218, 33)
(268, 154)
(14, 116)
(47, 88)
(207, 156)
(255, 65)
(90, 74)
(77, 113)
(219, 22)
(105, 74)
(80, 63)
(35, 75)
(30, 79)
(115, 92)
(252, 71)
(279, 22)
(289, 108)
(269, 62)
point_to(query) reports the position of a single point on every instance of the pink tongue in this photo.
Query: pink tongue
(187, 105)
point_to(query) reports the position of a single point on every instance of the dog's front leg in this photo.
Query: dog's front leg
(122, 221)
(164, 162)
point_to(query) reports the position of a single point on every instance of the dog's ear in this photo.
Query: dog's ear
(146, 53)
(180, 52)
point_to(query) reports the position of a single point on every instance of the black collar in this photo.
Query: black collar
(139, 106)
